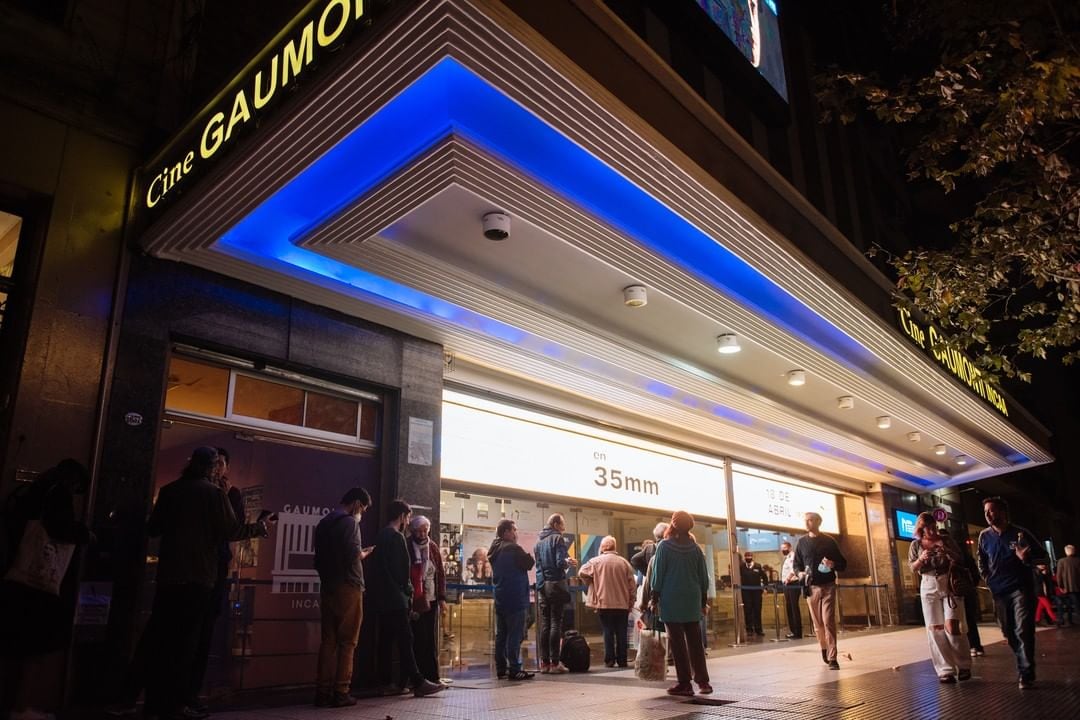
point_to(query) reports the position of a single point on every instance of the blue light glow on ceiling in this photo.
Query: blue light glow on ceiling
(450, 99)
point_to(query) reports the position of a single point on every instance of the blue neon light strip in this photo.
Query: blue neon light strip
(451, 99)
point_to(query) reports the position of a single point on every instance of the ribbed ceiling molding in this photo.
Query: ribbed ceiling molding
(509, 55)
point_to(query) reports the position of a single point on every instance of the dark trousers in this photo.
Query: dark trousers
(792, 597)
(426, 643)
(215, 606)
(396, 629)
(1016, 616)
(613, 623)
(1070, 603)
(509, 632)
(551, 624)
(174, 629)
(685, 642)
(971, 617)
(751, 600)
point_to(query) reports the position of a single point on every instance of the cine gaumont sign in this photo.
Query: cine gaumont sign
(321, 28)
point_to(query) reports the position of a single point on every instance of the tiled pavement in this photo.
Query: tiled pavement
(882, 676)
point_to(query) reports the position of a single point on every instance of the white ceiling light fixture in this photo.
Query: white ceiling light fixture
(914, 436)
(727, 344)
(635, 296)
(884, 422)
(845, 402)
(939, 449)
(796, 378)
(961, 459)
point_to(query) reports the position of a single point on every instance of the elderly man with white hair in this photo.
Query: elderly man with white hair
(612, 591)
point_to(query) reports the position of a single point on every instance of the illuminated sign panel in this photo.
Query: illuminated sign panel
(754, 28)
(317, 31)
(905, 525)
(770, 502)
(930, 339)
(541, 454)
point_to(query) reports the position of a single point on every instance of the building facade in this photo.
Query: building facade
(499, 258)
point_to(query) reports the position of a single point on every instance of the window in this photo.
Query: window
(199, 388)
(10, 225)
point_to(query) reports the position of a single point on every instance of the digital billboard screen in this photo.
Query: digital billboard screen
(753, 27)
(905, 524)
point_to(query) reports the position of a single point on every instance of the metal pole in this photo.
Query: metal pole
(733, 555)
(866, 604)
(839, 610)
(776, 612)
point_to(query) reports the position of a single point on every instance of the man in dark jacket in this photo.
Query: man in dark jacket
(752, 580)
(392, 597)
(818, 556)
(193, 518)
(339, 556)
(552, 590)
(510, 566)
(1007, 553)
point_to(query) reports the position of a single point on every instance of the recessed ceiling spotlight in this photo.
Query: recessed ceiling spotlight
(961, 459)
(939, 449)
(845, 402)
(914, 436)
(884, 422)
(727, 344)
(796, 378)
(635, 296)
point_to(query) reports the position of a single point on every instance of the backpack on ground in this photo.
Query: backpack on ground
(575, 652)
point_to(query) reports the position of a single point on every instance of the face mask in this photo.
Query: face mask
(784, 552)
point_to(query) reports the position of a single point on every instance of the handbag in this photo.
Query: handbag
(651, 661)
(958, 580)
(557, 591)
(40, 562)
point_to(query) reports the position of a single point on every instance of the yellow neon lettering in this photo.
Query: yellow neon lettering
(213, 131)
(151, 199)
(325, 38)
(260, 99)
(359, 9)
(294, 60)
(240, 112)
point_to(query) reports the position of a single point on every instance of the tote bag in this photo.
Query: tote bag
(40, 562)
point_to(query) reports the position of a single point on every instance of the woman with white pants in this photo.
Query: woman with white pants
(930, 556)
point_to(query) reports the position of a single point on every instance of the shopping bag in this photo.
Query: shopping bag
(40, 562)
(651, 660)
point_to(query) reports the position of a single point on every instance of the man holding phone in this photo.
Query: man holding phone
(338, 560)
(1007, 554)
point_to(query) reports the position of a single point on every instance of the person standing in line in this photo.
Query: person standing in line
(393, 600)
(931, 555)
(510, 566)
(552, 591)
(792, 592)
(1068, 577)
(193, 518)
(640, 560)
(971, 598)
(429, 595)
(612, 590)
(1006, 555)
(818, 556)
(339, 556)
(752, 579)
(679, 592)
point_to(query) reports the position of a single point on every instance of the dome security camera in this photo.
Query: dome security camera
(496, 225)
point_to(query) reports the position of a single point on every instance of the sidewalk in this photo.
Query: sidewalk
(881, 676)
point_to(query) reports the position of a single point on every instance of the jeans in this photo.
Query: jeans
(1016, 616)
(949, 651)
(551, 629)
(613, 623)
(394, 625)
(509, 632)
(971, 617)
(822, 604)
(1070, 603)
(342, 613)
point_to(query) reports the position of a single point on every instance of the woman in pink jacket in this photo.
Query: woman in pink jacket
(612, 591)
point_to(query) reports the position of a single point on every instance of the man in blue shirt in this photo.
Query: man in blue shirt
(1007, 553)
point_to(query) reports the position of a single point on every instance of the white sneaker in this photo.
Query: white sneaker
(558, 669)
